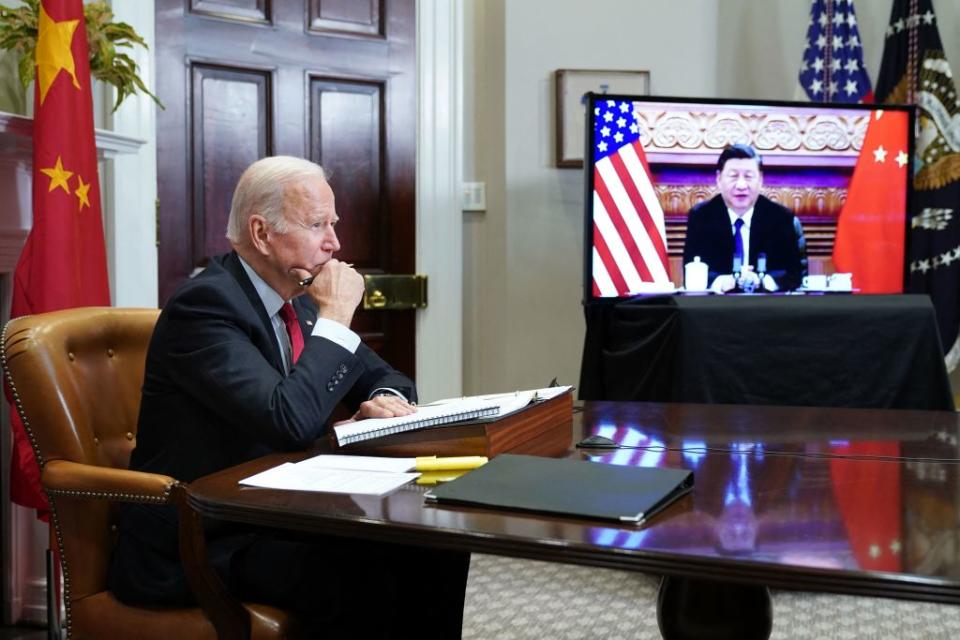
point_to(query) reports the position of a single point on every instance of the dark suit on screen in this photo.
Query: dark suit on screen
(774, 230)
(215, 394)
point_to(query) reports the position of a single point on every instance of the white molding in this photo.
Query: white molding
(19, 130)
(439, 346)
(130, 181)
(113, 144)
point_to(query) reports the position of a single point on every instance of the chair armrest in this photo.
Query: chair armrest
(74, 479)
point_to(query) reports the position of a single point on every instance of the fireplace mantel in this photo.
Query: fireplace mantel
(17, 132)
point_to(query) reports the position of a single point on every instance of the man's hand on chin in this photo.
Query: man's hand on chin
(337, 289)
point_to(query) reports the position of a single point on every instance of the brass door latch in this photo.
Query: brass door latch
(390, 292)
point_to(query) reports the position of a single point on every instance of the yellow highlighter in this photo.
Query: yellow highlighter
(433, 463)
(436, 477)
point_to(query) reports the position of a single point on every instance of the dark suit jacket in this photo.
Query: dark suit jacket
(774, 230)
(215, 395)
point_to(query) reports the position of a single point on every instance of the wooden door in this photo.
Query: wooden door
(329, 80)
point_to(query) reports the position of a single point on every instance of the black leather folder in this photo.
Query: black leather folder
(566, 486)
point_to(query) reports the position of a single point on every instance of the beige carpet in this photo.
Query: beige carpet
(510, 599)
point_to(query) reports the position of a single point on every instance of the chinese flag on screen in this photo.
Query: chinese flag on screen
(871, 228)
(63, 263)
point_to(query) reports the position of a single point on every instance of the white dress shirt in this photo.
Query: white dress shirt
(322, 327)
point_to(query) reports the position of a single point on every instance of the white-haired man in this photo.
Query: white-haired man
(245, 360)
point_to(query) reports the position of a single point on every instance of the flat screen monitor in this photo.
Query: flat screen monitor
(823, 192)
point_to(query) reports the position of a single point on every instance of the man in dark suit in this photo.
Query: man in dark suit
(747, 241)
(245, 361)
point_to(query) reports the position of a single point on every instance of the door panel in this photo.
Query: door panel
(347, 141)
(247, 10)
(348, 16)
(230, 129)
(331, 80)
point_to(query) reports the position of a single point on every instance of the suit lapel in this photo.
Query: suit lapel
(232, 264)
(724, 230)
(758, 229)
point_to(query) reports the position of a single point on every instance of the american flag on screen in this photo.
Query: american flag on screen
(629, 239)
(832, 68)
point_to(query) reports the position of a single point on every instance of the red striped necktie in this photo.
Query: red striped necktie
(289, 315)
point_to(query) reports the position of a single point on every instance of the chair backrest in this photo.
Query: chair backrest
(76, 377)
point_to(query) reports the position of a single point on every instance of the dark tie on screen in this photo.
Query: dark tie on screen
(738, 257)
(289, 315)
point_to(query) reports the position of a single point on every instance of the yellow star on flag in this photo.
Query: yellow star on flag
(58, 176)
(81, 193)
(53, 51)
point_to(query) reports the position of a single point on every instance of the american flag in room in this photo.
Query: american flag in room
(629, 237)
(832, 69)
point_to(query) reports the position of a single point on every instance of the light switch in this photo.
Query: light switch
(474, 196)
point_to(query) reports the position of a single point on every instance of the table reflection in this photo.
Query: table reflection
(836, 504)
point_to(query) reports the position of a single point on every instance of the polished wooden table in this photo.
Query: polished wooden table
(837, 500)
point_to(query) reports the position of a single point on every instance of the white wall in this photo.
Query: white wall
(439, 171)
(131, 184)
(523, 323)
(524, 256)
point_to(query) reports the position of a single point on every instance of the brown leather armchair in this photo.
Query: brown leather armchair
(75, 376)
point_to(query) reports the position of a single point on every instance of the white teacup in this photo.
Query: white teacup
(840, 282)
(815, 282)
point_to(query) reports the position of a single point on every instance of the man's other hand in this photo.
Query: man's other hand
(385, 406)
(722, 284)
(749, 280)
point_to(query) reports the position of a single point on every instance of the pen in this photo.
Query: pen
(307, 281)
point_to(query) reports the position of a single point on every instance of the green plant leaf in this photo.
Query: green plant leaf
(18, 33)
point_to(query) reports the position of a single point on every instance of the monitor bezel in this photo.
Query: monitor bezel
(588, 164)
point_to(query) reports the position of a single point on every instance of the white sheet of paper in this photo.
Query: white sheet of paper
(292, 477)
(511, 400)
(359, 463)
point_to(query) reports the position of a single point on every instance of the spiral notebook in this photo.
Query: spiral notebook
(466, 409)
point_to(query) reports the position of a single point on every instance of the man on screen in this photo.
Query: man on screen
(748, 241)
(249, 358)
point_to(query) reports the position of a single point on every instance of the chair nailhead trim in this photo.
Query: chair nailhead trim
(114, 495)
(67, 493)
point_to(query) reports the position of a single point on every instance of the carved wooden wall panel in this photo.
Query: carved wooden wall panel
(796, 132)
(805, 202)
(817, 207)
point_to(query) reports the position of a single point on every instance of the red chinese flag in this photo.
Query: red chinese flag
(871, 228)
(63, 263)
